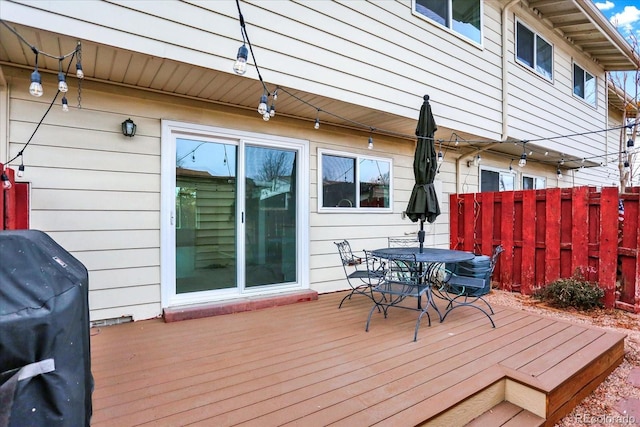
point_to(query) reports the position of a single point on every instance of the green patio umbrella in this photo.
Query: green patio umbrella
(423, 203)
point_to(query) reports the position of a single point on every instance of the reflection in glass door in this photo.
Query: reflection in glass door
(205, 215)
(270, 216)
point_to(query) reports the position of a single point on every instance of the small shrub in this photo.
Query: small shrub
(574, 292)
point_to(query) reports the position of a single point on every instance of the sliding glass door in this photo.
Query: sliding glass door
(236, 224)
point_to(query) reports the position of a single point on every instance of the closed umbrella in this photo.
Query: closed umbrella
(423, 203)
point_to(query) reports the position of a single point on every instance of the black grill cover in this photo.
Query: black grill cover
(45, 365)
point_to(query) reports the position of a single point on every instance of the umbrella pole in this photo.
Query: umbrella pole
(421, 235)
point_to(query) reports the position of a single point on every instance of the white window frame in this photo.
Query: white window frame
(536, 180)
(357, 158)
(449, 24)
(534, 68)
(584, 85)
(500, 172)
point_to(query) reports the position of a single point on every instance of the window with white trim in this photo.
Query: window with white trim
(350, 182)
(530, 182)
(496, 180)
(584, 85)
(533, 51)
(462, 16)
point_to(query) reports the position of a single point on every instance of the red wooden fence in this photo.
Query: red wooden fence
(547, 234)
(14, 204)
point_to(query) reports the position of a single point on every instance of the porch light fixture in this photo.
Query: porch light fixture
(35, 89)
(6, 184)
(128, 128)
(65, 104)
(240, 66)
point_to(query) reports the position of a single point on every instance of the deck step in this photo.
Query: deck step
(506, 414)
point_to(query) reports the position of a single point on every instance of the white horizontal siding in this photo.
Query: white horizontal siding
(97, 193)
(539, 108)
(375, 54)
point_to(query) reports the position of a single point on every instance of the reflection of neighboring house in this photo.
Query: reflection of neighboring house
(500, 71)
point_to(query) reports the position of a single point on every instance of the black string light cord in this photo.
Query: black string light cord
(448, 145)
(36, 51)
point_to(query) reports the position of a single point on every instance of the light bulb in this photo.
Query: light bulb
(79, 72)
(523, 160)
(65, 104)
(20, 171)
(35, 88)
(559, 173)
(6, 184)
(440, 157)
(317, 124)
(370, 143)
(240, 66)
(272, 110)
(62, 83)
(266, 116)
(262, 107)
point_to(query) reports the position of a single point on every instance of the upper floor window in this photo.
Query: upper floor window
(584, 85)
(353, 182)
(534, 52)
(462, 16)
(496, 180)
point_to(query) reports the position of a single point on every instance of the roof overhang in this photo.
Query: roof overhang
(582, 24)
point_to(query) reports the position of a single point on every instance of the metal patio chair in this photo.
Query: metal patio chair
(362, 272)
(466, 284)
(403, 279)
(403, 241)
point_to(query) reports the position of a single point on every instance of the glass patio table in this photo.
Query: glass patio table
(429, 263)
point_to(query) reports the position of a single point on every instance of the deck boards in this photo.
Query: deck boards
(313, 364)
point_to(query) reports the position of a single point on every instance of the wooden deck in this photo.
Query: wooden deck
(310, 364)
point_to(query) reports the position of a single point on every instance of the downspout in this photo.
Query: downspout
(505, 89)
(505, 71)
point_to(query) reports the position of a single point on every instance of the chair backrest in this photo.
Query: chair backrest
(403, 269)
(403, 242)
(346, 254)
(494, 257)
(481, 266)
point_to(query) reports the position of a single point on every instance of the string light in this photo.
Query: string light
(35, 88)
(240, 66)
(65, 104)
(6, 183)
(440, 155)
(523, 160)
(262, 106)
(20, 172)
(511, 171)
(559, 172)
(370, 146)
(316, 125)
(62, 82)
